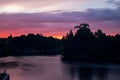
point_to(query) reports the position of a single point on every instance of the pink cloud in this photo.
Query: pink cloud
(30, 6)
(59, 23)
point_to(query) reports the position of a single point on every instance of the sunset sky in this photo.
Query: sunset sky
(57, 17)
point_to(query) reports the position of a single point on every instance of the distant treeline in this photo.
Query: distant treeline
(87, 46)
(83, 45)
(30, 44)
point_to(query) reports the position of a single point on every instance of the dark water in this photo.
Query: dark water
(51, 68)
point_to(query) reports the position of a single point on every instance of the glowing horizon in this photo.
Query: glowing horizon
(17, 35)
(57, 17)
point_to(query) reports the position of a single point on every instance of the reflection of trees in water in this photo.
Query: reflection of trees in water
(86, 73)
(72, 73)
(101, 74)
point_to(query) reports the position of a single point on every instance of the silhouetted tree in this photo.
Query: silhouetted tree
(86, 46)
(30, 44)
(99, 34)
(82, 25)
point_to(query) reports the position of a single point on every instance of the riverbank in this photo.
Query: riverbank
(97, 60)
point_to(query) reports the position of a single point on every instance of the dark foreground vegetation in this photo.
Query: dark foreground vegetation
(83, 45)
(30, 44)
(87, 46)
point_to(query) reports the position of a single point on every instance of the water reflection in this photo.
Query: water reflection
(51, 68)
(78, 72)
(85, 73)
(13, 63)
(8, 64)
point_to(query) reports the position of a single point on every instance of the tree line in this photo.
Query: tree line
(83, 45)
(86, 45)
(30, 44)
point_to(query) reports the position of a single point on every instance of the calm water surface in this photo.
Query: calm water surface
(51, 68)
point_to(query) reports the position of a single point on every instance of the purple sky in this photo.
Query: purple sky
(57, 17)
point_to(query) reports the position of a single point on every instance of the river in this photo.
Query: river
(52, 68)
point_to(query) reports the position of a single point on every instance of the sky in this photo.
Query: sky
(56, 17)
